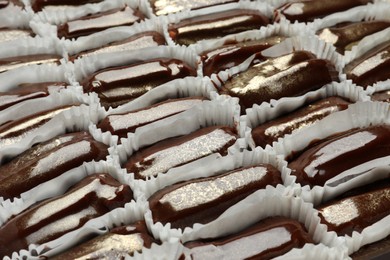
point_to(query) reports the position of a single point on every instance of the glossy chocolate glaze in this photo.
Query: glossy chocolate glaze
(210, 26)
(329, 158)
(118, 85)
(357, 209)
(305, 116)
(308, 10)
(177, 151)
(116, 244)
(40, 164)
(13, 131)
(14, 34)
(344, 36)
(289, 75)
(383, 96)
(165, 7)
(28, 91)
(92, 197)
(26, 60)
(98, 22)
(137, 41)
(38, 5)
(371, 67)
(121, 124)
(205, 199)
(232, 54)
(269, 238)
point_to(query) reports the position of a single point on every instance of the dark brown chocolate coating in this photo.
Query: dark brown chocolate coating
(123, 123)
(14, 34)
(98, 22)
(116, 244)
(48, 160)
(163, 7)
(13, 131)
(5, 3)
(357, 209)
(114, 89)
(305, 116)
(269, 238)
(329, 158)
(232, 54)
(177, 151)
(28, 91)
(91, 197)
(371, 67)
(137, 41)
(211, 26)
(289, 75)
(38, 5)
(205, 199)
(35, 59)
(308, 10)
(383, 96)
(345, 35)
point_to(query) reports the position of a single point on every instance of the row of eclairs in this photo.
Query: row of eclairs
(143, 128)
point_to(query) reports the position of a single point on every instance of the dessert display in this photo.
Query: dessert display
(116, 244)
(243, 125)
(162, 156)
(119, 85)
(289, 75)
(211, 26)
(92, 197)
(48, 160)
(346, 35)
(203, 200)
(123, 123)
(98, 22)
(269, 132)
(371, 67)
(267, 239)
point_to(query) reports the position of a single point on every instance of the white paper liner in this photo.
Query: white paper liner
(88, 65)
(14, 17)
(112, 35)
(262, 7)
(260, 114)
(272, 203)
(358, 115)
(210, 113)
(45, 23)
(130, 213)
(78, 117)
(34, 74)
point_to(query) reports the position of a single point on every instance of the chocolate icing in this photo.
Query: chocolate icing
(203, 200)
(5, 3)
(357, 209)
(383, 96)
(164, 7)
(289, 75)
(92, 197)
(137, 41)
(177, 151)
(269, 238)
(8, 34)
(308, 10)
(270, 131)
(232, 54)
(209, 26)
(38, 5)
(48, 160)
(26, 60)
(28, 91)
(116, 244)
(327, 159)
(123, 123)
(371, 67)
(13, 131)
(118, 85)
(344, 36)
(97, 22)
